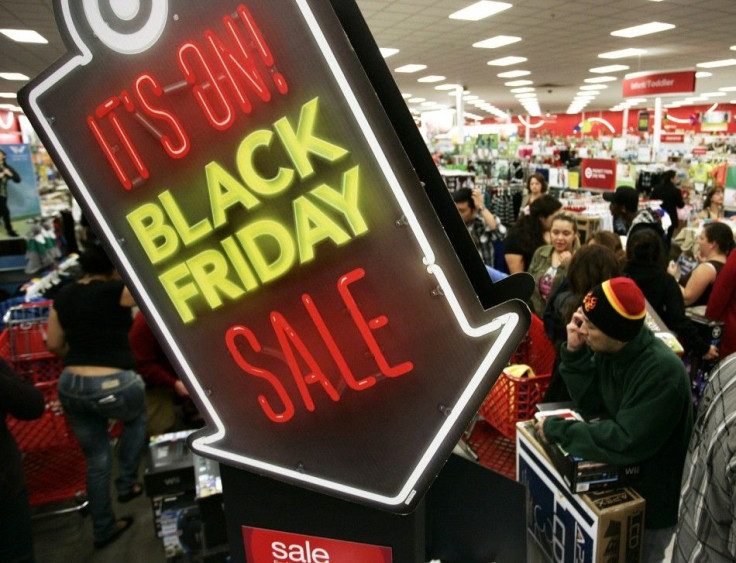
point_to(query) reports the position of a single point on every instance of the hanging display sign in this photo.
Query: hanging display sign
(672, 138)
(235, 160)
(643, 121)
(658, 83)
(598, 173)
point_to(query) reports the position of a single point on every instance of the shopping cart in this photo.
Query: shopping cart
(53, 461)
(512, 399)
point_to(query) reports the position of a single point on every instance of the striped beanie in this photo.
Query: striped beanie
(617, 307)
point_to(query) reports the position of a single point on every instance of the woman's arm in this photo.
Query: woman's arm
(700, 279)
(515, 263)
(55, 336)
(126, 298)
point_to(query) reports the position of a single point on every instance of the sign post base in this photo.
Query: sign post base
(469, 514)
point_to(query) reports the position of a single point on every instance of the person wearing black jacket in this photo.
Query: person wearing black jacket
(645, 265)
(7, 173)
(671, 198)
(23, 401)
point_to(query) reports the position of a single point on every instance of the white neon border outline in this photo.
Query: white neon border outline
(507, 322)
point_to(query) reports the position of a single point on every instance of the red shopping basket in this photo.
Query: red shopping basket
(512, 398)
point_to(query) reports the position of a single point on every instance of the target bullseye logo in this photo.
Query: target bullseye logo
(126, 10)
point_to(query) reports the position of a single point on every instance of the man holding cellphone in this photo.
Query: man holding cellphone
(614, 367)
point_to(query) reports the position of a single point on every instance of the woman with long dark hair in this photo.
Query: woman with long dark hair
(529, 233)
(89, 326)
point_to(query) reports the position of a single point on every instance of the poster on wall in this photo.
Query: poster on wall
(712, 121)
(237, 164)
(23, 198)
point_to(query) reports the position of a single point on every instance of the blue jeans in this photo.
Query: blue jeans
(90, 402)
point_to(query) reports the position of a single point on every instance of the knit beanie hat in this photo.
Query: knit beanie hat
(617, 307)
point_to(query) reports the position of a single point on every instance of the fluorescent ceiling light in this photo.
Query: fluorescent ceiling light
(599, 79)
(480, 10)
(609, 68)
(387, 52)
(733, 47)
(636, 100)
(410, 68)
(431, 78)
(470, 98)
(526, 95)
(497, 41)
(713, 94)
(24, 35)
(514, 83)
(417, 100)
(447, 87)
(428, 104)
(507, 61)
(514, 73)
(724, 89)
(703, 74)
(643, 29)
(13, 76)
(8, 95)
(521, 90)
(623, 53)
(594, 87)
(716, 64)
(406, 96)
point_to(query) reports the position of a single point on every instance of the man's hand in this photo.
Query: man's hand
(180, 389)
(711, 354)
(539, 429)
(575, 340)
(478, 200)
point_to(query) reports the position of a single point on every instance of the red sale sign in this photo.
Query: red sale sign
(235, 160)
(658, 83)
(272, 546)
(598, 173)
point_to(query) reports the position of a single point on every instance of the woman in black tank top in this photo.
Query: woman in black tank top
(714, 244)
(89, 326)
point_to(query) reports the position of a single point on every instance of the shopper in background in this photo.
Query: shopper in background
(624, 205)
(713, 205)
(88, 326)
(549, 264)
(616, 369)
(168, 406)
(706, 529)
(714, 244)
(722, 304)
(536, 186)
(529, 233)
(611, 241)
(671, 197)
(22, 400)
(646, 265)
(7, 173)
(483, 226)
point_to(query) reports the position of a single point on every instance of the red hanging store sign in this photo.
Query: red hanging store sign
(234, 158)
(658, 83)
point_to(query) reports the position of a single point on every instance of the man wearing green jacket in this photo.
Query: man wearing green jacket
(615, 368)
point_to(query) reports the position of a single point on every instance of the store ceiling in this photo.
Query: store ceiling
(560, 38)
